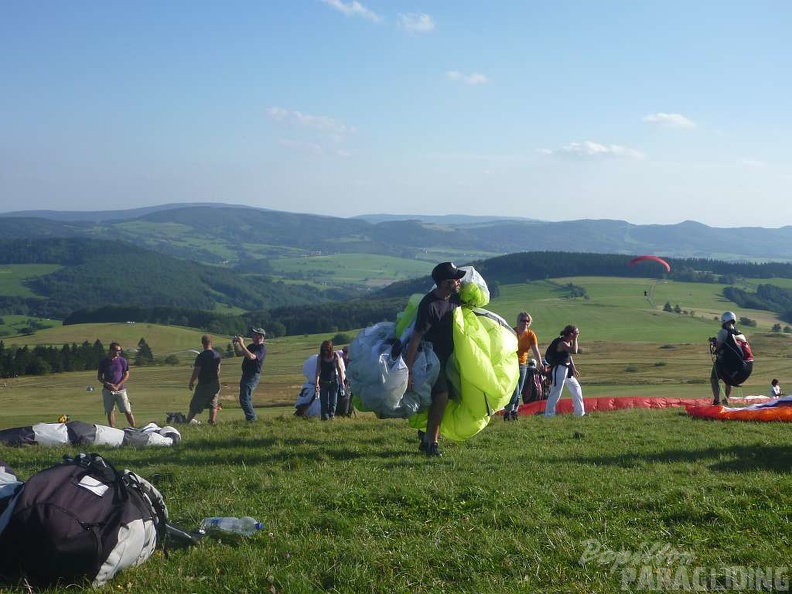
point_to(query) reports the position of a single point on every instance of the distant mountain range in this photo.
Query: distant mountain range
(246, 236)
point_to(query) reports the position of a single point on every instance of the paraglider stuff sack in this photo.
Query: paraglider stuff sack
(80, 521)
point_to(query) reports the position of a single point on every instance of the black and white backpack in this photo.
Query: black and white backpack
(79, 521)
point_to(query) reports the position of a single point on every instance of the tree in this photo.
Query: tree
(776, 328)
(144, 355)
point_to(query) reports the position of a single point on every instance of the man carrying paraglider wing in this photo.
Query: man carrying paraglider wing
(434, 323)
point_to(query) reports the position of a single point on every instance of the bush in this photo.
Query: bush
(630, 368)
(342, 338)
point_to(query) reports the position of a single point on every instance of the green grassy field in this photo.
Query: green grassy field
(612, 502)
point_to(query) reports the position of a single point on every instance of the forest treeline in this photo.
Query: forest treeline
(41, 360)
(279, 321)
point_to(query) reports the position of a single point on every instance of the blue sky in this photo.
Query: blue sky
(644, 111)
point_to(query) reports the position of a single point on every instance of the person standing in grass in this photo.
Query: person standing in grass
(733, 360)
(254, 355)
(434, 322)
(206, 371)
(527, 342)
(775, 389)
(563, 371)
(329, 376)
(113, 374)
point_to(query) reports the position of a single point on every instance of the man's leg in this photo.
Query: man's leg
(715, 383)
(246, 387)
(108, 402)
(436, 411)
(130, 419)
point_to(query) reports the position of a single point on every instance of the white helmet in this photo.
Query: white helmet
(728, 316)
(531, 362)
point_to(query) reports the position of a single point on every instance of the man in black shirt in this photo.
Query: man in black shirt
(206, 371)
(253, 355)
(434, 323)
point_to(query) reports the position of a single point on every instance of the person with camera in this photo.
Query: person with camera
(563, 371)
(254, 355)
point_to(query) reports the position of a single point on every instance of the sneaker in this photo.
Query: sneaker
(716, 402)
(433, 450)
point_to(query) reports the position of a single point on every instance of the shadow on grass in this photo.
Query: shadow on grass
(728, 459)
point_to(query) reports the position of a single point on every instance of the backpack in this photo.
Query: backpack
(734, 362)
(81, 520)
(552, 356)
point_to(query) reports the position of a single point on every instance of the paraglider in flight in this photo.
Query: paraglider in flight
(665, 264)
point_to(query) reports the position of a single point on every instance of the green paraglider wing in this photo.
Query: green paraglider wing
(483, 372)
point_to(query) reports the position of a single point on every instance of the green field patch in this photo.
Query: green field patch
(13, 277)
(360, 269)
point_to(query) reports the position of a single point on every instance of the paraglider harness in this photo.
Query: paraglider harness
(733, 360)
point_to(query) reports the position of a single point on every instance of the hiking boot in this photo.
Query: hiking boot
(506, 415)
(433, 450)
(423, 447)
(716, 402)
(514, 415)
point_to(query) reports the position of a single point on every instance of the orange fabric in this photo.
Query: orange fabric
(525, 341)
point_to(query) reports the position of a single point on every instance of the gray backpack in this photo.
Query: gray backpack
(79, 521)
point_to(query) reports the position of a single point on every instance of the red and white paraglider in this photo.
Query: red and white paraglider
(657, 259)
(650, 293)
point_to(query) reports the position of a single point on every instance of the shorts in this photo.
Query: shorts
(441, 383)
(205, 396)
(118, 398)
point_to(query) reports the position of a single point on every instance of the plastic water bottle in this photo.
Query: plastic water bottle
(245, 526)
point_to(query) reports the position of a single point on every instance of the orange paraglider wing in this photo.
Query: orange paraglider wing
(665, 264)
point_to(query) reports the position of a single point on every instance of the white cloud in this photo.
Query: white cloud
(472, 79)
(312, 148)
(594, 150)
(755, 163)
(305, 120)
(354, 8)
(416, 22)
(670, 120)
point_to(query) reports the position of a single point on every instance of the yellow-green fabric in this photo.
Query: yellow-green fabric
(483, 372)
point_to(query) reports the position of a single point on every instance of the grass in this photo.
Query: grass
(350, 506)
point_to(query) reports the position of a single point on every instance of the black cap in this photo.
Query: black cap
(261, 331)
(446, 271)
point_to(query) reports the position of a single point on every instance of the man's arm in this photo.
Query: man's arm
(409, 355)
(194, 376)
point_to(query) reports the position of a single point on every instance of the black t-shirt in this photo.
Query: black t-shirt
(209, 363)
(435, 319)
(252, 367)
